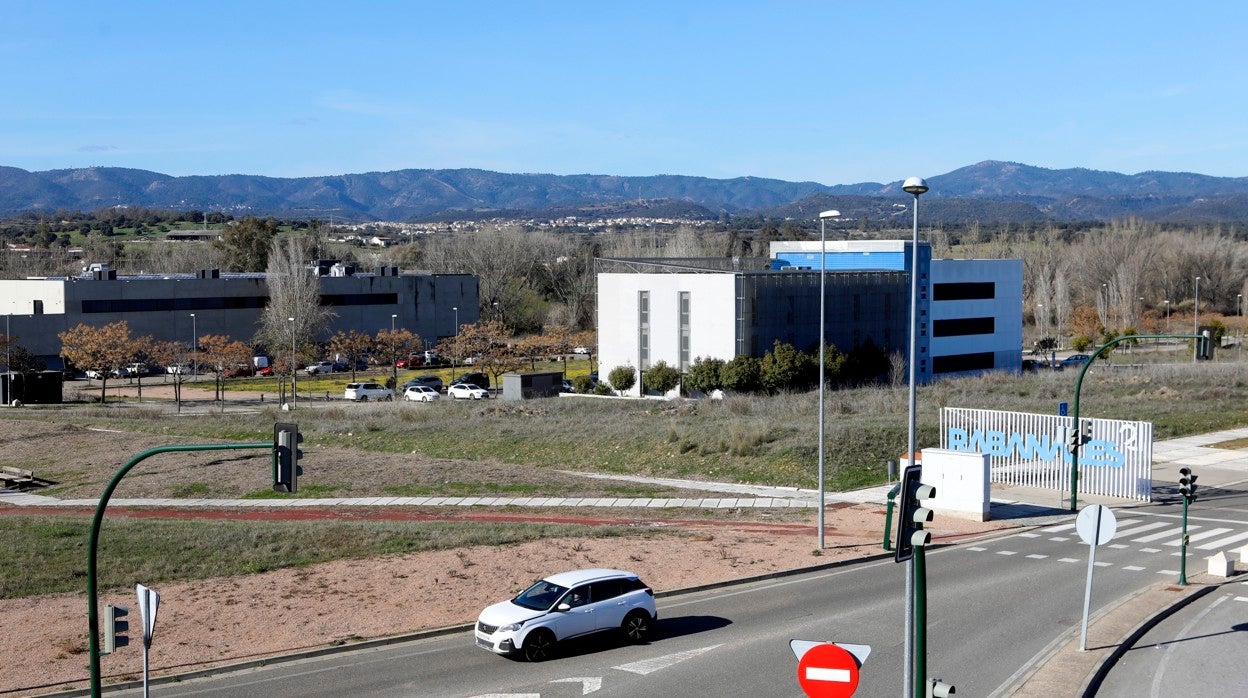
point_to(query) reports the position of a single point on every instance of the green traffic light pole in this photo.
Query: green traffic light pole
(1074, 456)
(93, 619)
(919, 562)
(1183, 551)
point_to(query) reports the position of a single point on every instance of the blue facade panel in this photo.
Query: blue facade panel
(848, 261)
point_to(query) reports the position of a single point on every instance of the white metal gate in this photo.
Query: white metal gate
(1029, 450)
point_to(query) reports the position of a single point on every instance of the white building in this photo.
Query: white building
(970, 311)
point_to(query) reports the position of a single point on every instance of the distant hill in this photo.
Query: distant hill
(987, 192)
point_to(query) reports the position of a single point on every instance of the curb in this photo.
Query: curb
(1092, 684)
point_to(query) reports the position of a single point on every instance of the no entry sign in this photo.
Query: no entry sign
(828, 671)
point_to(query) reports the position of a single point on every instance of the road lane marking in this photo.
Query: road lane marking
(1241, 598)
(1103, 564)
(1168, 533)
(1058, 539)
(589, 684)
(1058, 529)
(1029, 535)
(1118, 546)
(1150, 550)
(1200, 536)
(1222, 542)
(649, 666)
(1067, 559)
(1170, 572)
(1133, 568)
(977, 549)
(1037, 557)
(1148, 527)
(1006, 552)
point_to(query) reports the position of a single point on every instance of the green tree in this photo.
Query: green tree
(704, 374)
(786, 368)
(743, 374)
(247, 244)
(622, 378)
(661, 377)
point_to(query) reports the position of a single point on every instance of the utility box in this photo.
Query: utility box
(42, 388)
(961, 479)
(526, 386)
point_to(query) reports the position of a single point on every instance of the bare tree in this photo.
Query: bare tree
(294, 315)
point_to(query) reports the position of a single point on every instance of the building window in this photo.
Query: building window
(970, 291)
(643, 330)
(980, 361)
(961, 327)
(684, 331)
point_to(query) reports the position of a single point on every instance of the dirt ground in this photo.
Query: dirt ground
(230, 619)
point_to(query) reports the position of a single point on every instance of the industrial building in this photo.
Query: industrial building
(677, 310)
(179, 307)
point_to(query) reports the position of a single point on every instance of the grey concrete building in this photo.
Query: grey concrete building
(37, 310)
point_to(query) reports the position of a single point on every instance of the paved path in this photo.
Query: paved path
(1218, 466)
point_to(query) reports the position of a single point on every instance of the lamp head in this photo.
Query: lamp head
(829, 214)
(914, 185)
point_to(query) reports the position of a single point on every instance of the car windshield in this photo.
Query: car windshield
(540, 597)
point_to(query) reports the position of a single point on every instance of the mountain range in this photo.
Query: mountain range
(990, 192)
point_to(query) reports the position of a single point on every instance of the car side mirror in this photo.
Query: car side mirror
(563, 607)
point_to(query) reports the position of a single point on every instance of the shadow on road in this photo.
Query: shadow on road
(665, 629)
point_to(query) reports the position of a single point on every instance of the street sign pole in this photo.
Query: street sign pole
(1096, 526)
(149, 603)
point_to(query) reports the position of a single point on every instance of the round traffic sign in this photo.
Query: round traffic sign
(1096, 524)
(828, 671)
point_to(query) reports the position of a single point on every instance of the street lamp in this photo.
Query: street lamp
(194, 347)
(1167, 302)
(293, 393)
(916, 187)
(456, 335)
(1196, 322)
(394, 360)
(823, 320)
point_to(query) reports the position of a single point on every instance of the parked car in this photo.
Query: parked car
(138, 369)
(476, 378)
(240, 371)
(567, 387)
(266, 371)
(565, 606)
(1075, 360)
(319, 368)
(176, 369)
(420, 393)
(363, 392)
(413, 361)
(466, 391)
(580, 350)
(427, 381)
(112, 373)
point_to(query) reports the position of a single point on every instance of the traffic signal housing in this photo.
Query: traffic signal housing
(115, 628)
(286, 455)
(912, 516)
(1187, 484)
(1204, 344)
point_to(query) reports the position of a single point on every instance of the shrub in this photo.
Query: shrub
(742, 374)
(704, 375)
(582, 384)
(622, 377)
(601, 388)
(661, 377)
(1081, 342)
(784, 367)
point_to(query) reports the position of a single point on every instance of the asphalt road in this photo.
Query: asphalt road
(994, 608)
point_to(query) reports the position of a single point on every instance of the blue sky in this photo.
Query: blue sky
(833, 92)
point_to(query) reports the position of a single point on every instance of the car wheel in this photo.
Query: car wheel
(636, 626)
(363, 398)
(539, 645)
(389, 398)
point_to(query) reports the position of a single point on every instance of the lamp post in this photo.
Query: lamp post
(1196, 322)
(914, 186)
(194, 347)
(394, 360)
(1239, 310)
(456, 335)
(293, 394)
(1167, 302)
(1041, 320)
(823, 320)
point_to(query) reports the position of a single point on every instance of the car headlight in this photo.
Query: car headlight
(511, 628)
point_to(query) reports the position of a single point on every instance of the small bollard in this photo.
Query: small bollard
(1243, 554)
(1221, 565)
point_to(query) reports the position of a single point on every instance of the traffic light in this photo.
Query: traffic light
(912, 516)
(1187, 484)
(1072, 439)
(286, 455)
(939, 689)
(115, 628)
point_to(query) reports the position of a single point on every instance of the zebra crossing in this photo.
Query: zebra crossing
(1199, 536)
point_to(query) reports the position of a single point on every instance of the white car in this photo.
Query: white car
(319, 368)
(363, 392)
(565, 606)
(466, 390)
(420, 393)
(580, 350)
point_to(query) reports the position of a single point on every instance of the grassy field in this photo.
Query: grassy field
(46, 554)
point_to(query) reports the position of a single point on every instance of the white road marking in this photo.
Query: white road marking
(1058, 539)
(1164, 534)
(1170, 572)
(1118, 546)
(1150, 550)
(1222, 542)
(589, 684)
(1103, 564)
(509, 695)
(1006, 552)
(1029, 535)
(1057, 529)
(1148, 527)
(649, 666)
(1241, 598)
(1067, 559)
(1133, 568)
(977, 549)
(1200, 536)
(1037, 557)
